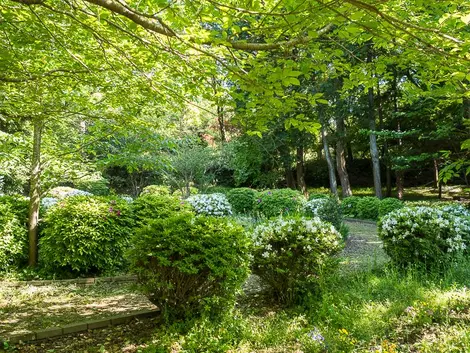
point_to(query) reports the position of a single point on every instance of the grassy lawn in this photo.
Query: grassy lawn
(368, 306)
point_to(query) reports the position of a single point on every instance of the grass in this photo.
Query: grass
(367, 306)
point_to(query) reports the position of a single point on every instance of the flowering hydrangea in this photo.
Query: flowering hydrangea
(48, 202)
(127, 198)
(456, 210)
(291, 253)
(315, 205)
(77, 192)
(424, 235)
(210, 204)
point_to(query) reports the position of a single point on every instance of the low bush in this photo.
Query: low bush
(218, 190)
(424, 235)
(242, 200)
(349, 206)
(62, 192)
(327, 209)
(186, 264)
(210, 204)
(157, 190)
(85, 235)
(291, 254)
(184, 193)
(388, 205)
(273, 203)
(456, 209)
(150, 207)
(94, 184)
(318, 196)
(368, 207)
(13, 232)
(48, 202)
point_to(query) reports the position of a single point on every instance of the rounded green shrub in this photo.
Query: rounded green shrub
(424, 235)
(95, 184)
(151, 207)
(291, 254)
(273, 203)
(85, 235)
(210, 204)
(186, 263)
(13, 232)
(327, 209)
(368, 207)
(318, 196)
(349, 206)
(158, 190)
(388, 205)
(242, 200)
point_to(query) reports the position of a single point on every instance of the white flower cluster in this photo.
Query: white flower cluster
(315, 205)
(48, 202)
(77, 192)
(127, 198)
(456, 210)
(439, 225)
(301, 231)
(210, 204)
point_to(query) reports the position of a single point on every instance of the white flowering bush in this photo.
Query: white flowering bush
(327, 209)
(291, 254)
(126, 198)
(456, 209)
(77, 192)
(48, 202)
(210, 204)
(315, 205)
(424, 235)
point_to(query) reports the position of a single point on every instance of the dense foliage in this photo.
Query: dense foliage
(424, 235)
(327, 209)
(349, 206)
(292, 254)
(368, 208)
(158, 190)
(388, 205)
(150, 207)
(273, 203)
(242, 200)
(210, 204)
(187, 264)
(86, 235)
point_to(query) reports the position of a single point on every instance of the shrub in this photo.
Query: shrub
(218, 190)
(182, 194)
(423, 235)
(368, 207)
(456, 209)
(48, 202)
(318, 196)
(210, 204)
(94, 184)
(185, 263)
(291, 255)
(349, 206)
(61, 192)
(388, 205)
(272, 203)
(150, 207)
(242, 199)
(13, 232)
(85, 235)
(327, 209)
(158, 190)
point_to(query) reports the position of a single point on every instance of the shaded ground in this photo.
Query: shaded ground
(30, 307)
(363, 247)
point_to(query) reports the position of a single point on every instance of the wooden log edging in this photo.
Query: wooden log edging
(54, 332)
(79, 281)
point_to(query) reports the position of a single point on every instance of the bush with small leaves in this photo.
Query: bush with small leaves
(210, 204)
(85, 235)
(151, 207)
(13, 232)
(368, 207)
(273, 203)
(318, 196)
(456, 209)
(291, 254)
(158, 190)
(327, 209)
(182, 194)
(388, 205)
(349, 206)
(48, 202)
(187, 264)
(242, 200)
(424, 235)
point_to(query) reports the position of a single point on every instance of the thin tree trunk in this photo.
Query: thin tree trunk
(389, 180)
(436, 173)
(220, 120)
(400, 174)
(34, 193)
(329, 161)
(300, 171)
(341, 159)
(374, 152)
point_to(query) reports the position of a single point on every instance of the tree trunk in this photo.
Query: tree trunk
(34, 193)
(400, 174)
(374, 152)
(436, 173)
(220, 120)
(329, 161)
(389, 180)
(341, 159)
(300, 171)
